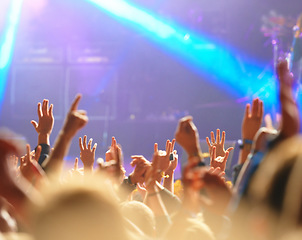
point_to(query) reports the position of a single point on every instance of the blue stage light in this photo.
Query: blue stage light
(7, 41)
(199, 52)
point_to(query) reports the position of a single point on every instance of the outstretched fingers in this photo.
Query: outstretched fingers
(247, 110)
(208, 142)
(222, 138)
(217, 136)
(255, 107)
(155, 147)
(39, 110)
(212, 137)
(85, 142)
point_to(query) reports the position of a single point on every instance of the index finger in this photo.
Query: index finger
(81, 144)
(260, 110)
(75, 104)
(255, 107)
(27, 157)
(39, 110)
(155, 147)
(173, 143)
(247, 110)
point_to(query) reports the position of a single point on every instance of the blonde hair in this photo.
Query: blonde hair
(79, 210)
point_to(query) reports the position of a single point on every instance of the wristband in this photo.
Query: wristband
(245, 142)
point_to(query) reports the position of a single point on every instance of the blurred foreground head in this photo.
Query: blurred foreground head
(273, 206)
(87, 210)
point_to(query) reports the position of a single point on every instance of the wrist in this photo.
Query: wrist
(245, 144)
(169, 172)
(88, 168)
(131, 181)
(43, 138)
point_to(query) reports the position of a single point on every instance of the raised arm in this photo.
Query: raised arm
(289, 110)
(251, 123)
(169, 178)
(218, 143)
(153, 199)
(187, 136)
(44, 128)
(75, 120)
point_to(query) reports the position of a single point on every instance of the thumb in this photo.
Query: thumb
(34, 123)
(229, 149)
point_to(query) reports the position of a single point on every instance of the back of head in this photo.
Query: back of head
(184, 228)
(268, 191)
(79, 211)
(140, 215)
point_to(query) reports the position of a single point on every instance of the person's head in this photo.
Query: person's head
(189, 228)
(79, 211)
(273, 204)
(140, 215)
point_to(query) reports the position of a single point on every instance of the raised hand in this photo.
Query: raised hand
(163, 156)
(46, 118)
(113, 164)
(252, 119)
(141, 166)
(218, 161)
(76, 171)
(218, 144)
(289, 110)
(87, 153)
(187, 136)
(152, 173)
(251, 123)
(173, 163)
(110, 154)
(75, 120)
(29, 166)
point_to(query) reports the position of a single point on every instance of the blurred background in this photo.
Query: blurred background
(141, 65)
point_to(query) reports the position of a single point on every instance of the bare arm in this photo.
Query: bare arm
(251, 123)
(75, 120)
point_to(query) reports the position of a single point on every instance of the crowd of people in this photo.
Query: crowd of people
(39, 201)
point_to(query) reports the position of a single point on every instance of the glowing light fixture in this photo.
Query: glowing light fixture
(7, 43)
(209, 57)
